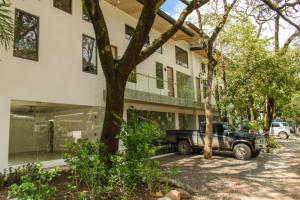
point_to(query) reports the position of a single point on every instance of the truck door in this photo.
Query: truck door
(215, 139)
(223, 139)
(275, 126)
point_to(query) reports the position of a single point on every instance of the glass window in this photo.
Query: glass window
(39, 130)
(159, 75)
(132, 76)
(181, 57)
(114, 50)
(187, 121)
(85, 14)
(147, 43)
(89, 55)
(203, 67)
(26, 38)
(275, 125)
(159, 50)
(129, 31)
(198, 89)
(65, 5)
(204, 84)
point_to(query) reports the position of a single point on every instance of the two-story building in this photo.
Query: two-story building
(53, 89)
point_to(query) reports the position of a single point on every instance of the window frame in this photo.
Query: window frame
(85, 35)
(127, 36)
(37, 38)
(187, 54)
(71, 7)
(198, 90)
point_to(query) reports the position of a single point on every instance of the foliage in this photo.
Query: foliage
(6, 24)
(119, 176)
(271, 144)
(35, 187)
(87, 166)
(256, 125)
(255, 72)
(13, 175)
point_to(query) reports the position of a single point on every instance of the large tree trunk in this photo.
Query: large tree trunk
(208, 112)
(270, 104)
(113, 114)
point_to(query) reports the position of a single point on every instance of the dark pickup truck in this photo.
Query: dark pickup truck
(225, 138)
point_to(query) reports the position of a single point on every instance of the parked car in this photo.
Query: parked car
(280, 129)
(225, 138)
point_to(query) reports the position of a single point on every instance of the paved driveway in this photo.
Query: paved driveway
(270, 176)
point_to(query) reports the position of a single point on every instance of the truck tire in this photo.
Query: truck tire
(184, 147)
(283, 135)
(255, 153)
(242, 151)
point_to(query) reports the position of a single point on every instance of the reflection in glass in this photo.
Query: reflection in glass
(65, 5)
(40, 131)
(89, 54)
(26, 35)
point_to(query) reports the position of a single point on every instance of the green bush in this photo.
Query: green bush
(271, 144)
(13, 175)
(126, 170)
(36, 187)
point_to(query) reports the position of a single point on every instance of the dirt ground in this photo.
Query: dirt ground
(270, 176)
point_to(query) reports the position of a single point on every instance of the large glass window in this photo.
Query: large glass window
(159, 75)
(187, 121)
(89, 54)
(39, 131)
(165, 120)
(184, 86)
(26, 38)
(182, 57)
(204, 84)
(65, 5)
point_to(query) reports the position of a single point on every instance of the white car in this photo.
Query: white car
(280, 129)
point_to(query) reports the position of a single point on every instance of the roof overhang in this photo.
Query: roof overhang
(162, 23)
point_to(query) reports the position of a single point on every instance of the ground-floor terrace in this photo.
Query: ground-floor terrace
(38, 131)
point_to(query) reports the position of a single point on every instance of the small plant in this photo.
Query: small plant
(35, 187)
(271, 144)
(13, 175)
(173, 172)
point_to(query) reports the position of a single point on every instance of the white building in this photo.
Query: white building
(52, 93)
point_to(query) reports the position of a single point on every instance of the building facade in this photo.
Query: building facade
(53, 88)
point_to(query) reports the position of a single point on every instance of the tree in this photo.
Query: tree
(116, 71)
(208, 43)
(6, 24)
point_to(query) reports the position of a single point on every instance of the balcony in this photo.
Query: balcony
(156, 91)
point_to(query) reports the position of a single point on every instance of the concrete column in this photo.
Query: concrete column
(4, 132)
(176, 120)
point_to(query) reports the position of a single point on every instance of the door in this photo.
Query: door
(275, 128)
(170, 81)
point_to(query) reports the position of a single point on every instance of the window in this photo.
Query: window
(203, 67)
(181, 57)
(129, 31)
(198, 89)
(89, 55)
(26, 38)
(159, 75)
(147, 43)
(85, 14)
(275, 125)
(114, 50)
(65, 5)
(132, 76)
(159, 50)
(204, 83)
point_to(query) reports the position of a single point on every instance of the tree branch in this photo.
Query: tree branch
(289, 41)
(277, 9)
(195, 4)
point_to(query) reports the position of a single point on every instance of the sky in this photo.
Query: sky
(174, 8)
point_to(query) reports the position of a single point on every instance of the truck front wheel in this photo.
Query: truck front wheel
(184, 147)
(242, 151)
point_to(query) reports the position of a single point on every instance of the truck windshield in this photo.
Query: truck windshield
(285, 124)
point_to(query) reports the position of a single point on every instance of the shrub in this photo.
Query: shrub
(127, 169)
(13, 175)
(35, 187)
(271, 144)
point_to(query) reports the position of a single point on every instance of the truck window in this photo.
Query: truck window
(219, 129)
(275, 125)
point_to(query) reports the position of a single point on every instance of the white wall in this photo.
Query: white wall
(57, 77)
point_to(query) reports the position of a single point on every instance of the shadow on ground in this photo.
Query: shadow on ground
(270, 176)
